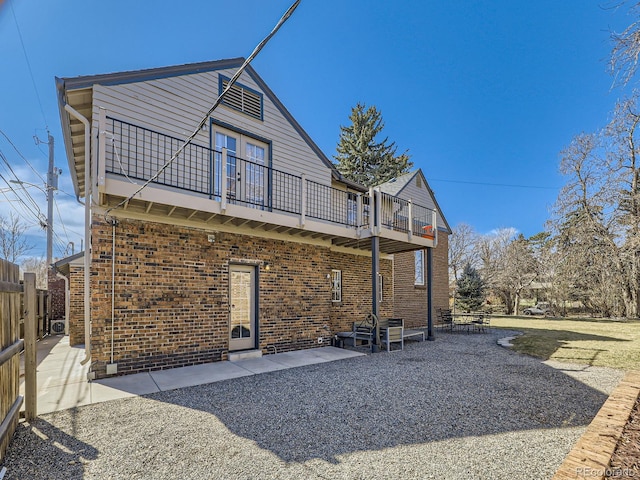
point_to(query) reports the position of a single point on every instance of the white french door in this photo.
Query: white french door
(246, 168)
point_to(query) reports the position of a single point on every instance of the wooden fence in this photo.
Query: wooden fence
(42, 315)
(10, 347)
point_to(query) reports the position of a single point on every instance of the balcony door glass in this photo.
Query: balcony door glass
(230, 143)
(254, 175)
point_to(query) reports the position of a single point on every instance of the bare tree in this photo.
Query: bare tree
(597, 215)
(626, 50)
(493, 254)
(13, 243)
(39, 267)
(462, 243)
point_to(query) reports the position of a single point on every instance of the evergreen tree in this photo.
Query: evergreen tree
(471, 293)
(360, 157)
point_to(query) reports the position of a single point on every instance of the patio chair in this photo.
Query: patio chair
(364, 330)
(391, 335)
(480, 322)
(392, 330)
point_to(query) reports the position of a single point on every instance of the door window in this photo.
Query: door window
(230, 143)
(254, 175)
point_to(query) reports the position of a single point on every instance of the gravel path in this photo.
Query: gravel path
(461, 407)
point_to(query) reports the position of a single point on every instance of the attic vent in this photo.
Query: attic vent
(418, 182)
(242, 98)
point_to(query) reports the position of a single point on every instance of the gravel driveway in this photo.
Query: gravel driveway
(461, 407)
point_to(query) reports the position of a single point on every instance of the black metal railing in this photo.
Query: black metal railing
(138, 153)
(328, 203)
(394, 213)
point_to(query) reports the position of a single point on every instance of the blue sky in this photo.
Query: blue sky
(483, 94)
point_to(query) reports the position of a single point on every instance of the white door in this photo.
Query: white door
(230, 142)
(246, 168)
(254, 174)
(242, 307)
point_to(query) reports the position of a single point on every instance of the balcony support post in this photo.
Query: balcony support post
(375, 266)
(303, 199)
(429, 294)
(375, 305)
(223, 182)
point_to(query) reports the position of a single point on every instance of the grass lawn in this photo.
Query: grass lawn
(600, 342)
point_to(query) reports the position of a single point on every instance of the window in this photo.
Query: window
(241, 98)
(336, 285)
(419, 267)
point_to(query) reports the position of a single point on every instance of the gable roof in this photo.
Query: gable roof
(397, 185)
(75, 148)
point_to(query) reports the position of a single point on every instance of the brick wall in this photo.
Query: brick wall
(76, 305)
(440, 288)
(356, 290)
(171, 294)
(56, 288)
(410, 300)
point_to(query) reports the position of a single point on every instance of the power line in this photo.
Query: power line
(26, 57)
(202, 123)
(18, 199)
(64, 229)
(493, 184)
(22, 156)
(15, 177)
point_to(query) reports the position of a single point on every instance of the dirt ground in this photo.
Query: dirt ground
(625, 462)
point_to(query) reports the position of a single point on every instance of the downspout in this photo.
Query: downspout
(113, 282)
(87, 229)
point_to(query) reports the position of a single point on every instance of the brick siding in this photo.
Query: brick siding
(410, 300)
(56, 287)
(76, 305)
(171, 294)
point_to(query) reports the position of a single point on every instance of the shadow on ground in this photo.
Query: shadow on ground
(458, 386)
(546, 343)
(41, 450)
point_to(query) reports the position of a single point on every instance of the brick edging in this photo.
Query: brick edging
(591, 456)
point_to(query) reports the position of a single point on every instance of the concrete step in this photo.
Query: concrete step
(244, 355)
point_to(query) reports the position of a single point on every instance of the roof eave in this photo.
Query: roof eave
(66, 132)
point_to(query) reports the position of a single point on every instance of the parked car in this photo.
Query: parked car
(541, 308)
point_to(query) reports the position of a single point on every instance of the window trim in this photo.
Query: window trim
(336, 286)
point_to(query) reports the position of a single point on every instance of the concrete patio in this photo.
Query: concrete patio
(62, 379)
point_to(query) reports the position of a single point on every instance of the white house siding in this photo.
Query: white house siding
(421, 196)
(175, 105)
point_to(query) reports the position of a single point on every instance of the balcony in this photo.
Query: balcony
(217, 187)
